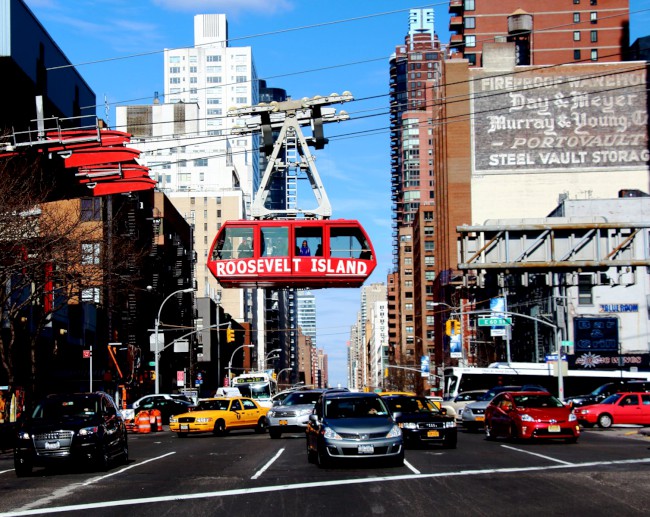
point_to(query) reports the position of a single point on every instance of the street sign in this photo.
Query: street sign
(494, 322)
(87, 354)
(553, 357)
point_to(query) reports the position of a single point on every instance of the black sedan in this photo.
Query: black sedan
(421, 421)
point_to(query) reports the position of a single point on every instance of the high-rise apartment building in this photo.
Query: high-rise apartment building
(415, 69)
(544, 33)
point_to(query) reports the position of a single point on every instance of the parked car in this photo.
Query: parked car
(455, 407)
(68, 428)
(530, 415)
(605, 390)
(619, 408)
(219, 416)
(292, 414)
(167, 407)
(353, 426)
(422, 421)
(160, 396)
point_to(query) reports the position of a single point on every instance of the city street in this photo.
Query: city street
(247, 474)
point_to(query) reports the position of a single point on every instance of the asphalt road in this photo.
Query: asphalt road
(244, 474)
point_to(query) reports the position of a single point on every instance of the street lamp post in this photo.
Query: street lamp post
(266, 359)
(281, 372)
(156, 356)
(233, 355)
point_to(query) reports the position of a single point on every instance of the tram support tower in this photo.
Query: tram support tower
(289, 154)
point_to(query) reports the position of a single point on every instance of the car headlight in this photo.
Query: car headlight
(394, 432)
(304, 412)
(525, 417)
(572, 417)
(88, 431)
(331, 434)
(408, 425)
(24, 435)
(271, 414)
(203, 420)
(450, 424)
(173, 420)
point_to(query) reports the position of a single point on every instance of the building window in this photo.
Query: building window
(470, 22)
(174, 80)
(594, 36)
(408, 306)
(593, 2)
(576, 1)
(594, 55)
(213, 101)
(174, 59)
(429, 276)
(576, 55)
(470, 41)
(409, 330)
(91, 209)
(585, 285)
(213, 59)
(174, 69)
(213, 79)
(576, 35)
(576, 17)
(471, 58)
(241, 100)
(193, 70)
(201, 162)
(469, 5)
(429, 261)
(90, 294)
(90, 252)
(593, 17)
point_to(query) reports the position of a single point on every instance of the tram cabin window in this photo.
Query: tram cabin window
(235, 243)
(349, 243)
(309, 242)
(275, 241)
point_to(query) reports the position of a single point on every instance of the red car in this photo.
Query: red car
(620, 408)
(530, 415)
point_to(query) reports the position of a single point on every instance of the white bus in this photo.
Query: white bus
(457, 379)
(260, 386)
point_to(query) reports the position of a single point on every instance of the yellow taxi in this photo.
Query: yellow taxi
(220, 415)
(390, 393)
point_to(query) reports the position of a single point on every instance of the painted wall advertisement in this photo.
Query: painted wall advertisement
(591, 117)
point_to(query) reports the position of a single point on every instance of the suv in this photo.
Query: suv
(605, 390)
(353, 426)
(71, 427)
(292, 414)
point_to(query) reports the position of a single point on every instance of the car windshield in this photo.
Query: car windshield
(69, 407)
(411, 405)
(612, 399)
(213, 405)
(255, 391)
(601, 390)
(363, 407)
(537, 401)
(300, 397)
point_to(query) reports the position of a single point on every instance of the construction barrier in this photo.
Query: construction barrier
(155, 419)
(143, 422)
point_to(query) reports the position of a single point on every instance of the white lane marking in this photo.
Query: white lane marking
(66, 490)
(413, 469)
(538, 455)
(314, 484)
(268, 464)
(124, 469)
(5, 471)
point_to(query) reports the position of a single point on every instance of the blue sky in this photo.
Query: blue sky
(336, 46)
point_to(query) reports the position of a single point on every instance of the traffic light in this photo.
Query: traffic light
(152, 375)
(452, 327)
(275, 375)
(230, 335)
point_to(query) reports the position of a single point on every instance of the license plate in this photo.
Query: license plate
(283, 422)
(433, 434)
(479, 418)
(366, 449)
(185, 427)
(50, 446)
(553, 428)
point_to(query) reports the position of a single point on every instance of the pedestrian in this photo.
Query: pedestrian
(304, 250)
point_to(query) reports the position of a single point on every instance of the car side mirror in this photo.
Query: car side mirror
(397, 414)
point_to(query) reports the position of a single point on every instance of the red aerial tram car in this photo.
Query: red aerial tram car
(292, 254)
